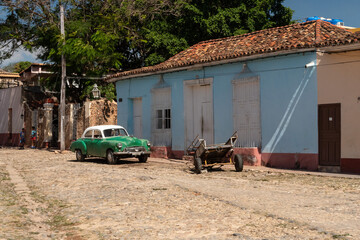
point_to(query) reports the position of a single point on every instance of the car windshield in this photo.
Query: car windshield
(114, 132)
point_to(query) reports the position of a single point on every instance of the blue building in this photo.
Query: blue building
(262, 85)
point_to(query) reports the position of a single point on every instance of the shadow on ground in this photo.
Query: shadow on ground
(103, 161)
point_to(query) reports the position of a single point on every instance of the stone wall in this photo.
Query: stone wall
(77, 119)
(102, 112)
(98, 112)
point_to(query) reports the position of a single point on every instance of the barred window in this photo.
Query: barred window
(163, 119)
(167, 118)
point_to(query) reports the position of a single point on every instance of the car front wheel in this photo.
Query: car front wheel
(79, 156)
(143, 158)
(110, 157)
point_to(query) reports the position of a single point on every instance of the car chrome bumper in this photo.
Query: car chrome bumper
(135, 154)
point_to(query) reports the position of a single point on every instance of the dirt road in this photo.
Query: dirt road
(45, 195)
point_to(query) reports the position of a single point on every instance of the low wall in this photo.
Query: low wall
(7, 139)
(290, 160)
(350, 165)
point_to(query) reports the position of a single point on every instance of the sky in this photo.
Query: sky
(347, 10)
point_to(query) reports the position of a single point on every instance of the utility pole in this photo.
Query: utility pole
(63, 83)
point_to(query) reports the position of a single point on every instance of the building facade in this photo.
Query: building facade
(265, 85)
(8, 79)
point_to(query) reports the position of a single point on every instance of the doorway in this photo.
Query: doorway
(329, 125)
(199, 118)
(246, 111)
(137, 117)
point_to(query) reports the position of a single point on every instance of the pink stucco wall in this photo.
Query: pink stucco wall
(339, 82)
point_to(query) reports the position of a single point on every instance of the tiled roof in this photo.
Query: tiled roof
(291, 37)
(33, 65)
(4, 74)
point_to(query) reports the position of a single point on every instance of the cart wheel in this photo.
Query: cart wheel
(198, 165)
(239, 164)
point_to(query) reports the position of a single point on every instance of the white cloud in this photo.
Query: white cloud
(21, 56)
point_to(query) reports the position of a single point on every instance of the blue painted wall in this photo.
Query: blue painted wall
(288, 101)
(289, 105)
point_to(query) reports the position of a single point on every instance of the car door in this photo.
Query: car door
(87, 140)
(94, 145)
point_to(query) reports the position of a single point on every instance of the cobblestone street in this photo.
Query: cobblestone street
(49, 195)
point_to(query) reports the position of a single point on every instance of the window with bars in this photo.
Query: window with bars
(163, 119)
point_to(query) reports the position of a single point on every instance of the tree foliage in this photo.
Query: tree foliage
(17, 67)
(199, 20)
(105, 36)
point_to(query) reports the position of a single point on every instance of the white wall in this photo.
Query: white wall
(11, 98)
(339, 82)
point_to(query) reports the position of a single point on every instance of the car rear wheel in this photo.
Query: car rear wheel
(143, 158)
(79, 156)
(110, 157)
(239, 164)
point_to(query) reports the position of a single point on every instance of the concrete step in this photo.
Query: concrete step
(330, 169)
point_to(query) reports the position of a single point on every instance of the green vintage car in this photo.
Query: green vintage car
(111, 142)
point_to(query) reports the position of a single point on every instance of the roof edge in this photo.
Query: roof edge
(341, 48)
(213, 63)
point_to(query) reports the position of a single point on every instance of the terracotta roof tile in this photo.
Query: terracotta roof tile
(296, 36)
(8, 74)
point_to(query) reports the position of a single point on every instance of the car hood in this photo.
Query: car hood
(128, 141)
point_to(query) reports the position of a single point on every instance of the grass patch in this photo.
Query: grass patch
(36, 196)
(16, 221)
(348, 185)
(8, 195)
(54, 209)
(24, 210)
(282, 225)
(340, 236)
(4, 176)
(159, 189)
(59, 220)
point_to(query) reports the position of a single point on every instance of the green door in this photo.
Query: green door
(94, 144)
(87, 140)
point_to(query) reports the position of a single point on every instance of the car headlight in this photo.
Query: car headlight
(148, 144)
(119, 145)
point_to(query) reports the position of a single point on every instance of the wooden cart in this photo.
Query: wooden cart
(214, 155)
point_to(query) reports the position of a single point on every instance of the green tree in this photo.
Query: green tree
(20, 66)
(17, 67)
(201, 20)
(104, 37)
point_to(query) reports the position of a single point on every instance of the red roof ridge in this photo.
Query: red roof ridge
(318, 31)
(255, 32)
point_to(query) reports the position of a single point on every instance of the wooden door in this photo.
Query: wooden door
(329, 134)
(246, 112)
(161, 116)
(199, 113)
(137, 117)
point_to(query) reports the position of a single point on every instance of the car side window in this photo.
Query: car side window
(108, 132)
(97, 134)
(88, 134)
(122, 132)
(114, 132)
